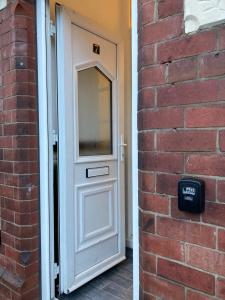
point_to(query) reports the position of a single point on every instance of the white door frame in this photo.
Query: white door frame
(134, 147)
(42, 10)
(42, 57)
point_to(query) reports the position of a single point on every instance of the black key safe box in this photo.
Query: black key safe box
(191, 195)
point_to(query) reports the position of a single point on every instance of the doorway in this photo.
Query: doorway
(96, 173)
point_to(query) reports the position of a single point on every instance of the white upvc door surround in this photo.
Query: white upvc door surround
(41, 13)
(42, 30)
(134, 150)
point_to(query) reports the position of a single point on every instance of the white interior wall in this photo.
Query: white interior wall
(114, 17)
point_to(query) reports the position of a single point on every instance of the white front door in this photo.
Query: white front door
(90, 154)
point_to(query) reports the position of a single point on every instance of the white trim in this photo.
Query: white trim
(64, 91)
(135, 150)
(53, 137)
(43, 148)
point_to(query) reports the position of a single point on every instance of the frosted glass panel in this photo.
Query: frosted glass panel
(94, 113)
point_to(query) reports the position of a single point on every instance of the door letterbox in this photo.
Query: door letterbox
(191, 195)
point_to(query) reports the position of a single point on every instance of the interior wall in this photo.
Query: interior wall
(114, 17)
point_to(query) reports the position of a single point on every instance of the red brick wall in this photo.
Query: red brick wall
(19, 249)
(181, 133)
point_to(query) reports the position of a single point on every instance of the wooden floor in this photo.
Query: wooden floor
(114, 284)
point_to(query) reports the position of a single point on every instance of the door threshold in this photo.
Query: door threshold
(116, 283)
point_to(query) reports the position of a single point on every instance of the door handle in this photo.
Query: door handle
(123, 145)
(122, 148)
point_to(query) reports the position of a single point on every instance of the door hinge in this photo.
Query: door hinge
(56, 270)
(54, 138)
(52, 29)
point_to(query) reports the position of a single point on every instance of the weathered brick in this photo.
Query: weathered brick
(147, 56)
(169, 248)
(212, 64)
(167, 184)
(148, 10)
(161, 118)
(26, 218)
(222, 140)
(32, 294)
(169, 7)
(5, 142)
(221, 190)
(148, 262)
(193, 295)
(181, 274)
(19, 102)
(206, 259)
(147, 181)
(147, 222)
(7, 215)
(28, 193)
(221, 239)
(199, 43)
(220, 288)
(24, 9)
(20, 154)
(154, 203)
(162, 30)
(23, 89)
(162, 288)
(221, 89)
(5, 291)
(162, 162)
(145, 141)
(25, 142)
(189, 92)
(6, 167)
(185, 231)
(20, 129)
(182, 70)
(146, 98)
(210, 189)
(221, 37)
(205, 117)
(186, 141)
(148, 297)
(22, 35)
(151, 76)
(214, 214)
(212, 165)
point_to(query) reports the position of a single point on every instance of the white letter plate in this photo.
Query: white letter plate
(95, 172)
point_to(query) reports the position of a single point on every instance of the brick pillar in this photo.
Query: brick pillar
(181, 133)
(19, 249)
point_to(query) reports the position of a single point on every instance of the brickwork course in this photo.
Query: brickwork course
(181, 121)
(19, 248)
